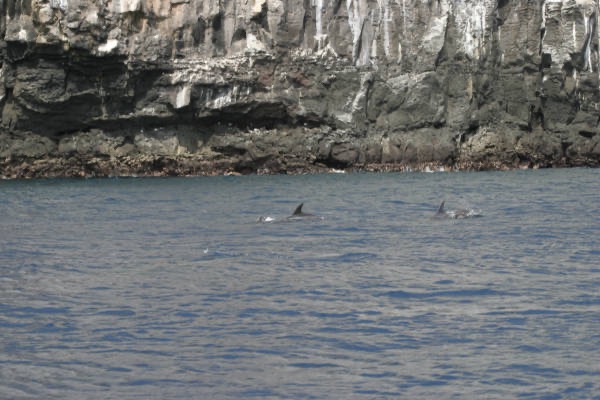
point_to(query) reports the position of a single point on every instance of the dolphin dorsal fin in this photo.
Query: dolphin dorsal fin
(441, 209)
(298, 209)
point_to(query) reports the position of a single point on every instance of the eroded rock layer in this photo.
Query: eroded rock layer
(101, 87)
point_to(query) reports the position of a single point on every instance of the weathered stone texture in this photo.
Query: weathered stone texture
(282, 85)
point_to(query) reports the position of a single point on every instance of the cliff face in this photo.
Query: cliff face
(200, 86)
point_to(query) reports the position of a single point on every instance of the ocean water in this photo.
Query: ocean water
(168, 288)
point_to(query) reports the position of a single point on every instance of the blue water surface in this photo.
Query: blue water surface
(168, 288)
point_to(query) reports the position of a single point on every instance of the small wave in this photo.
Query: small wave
(401, 294)
(265, 220)
(468, 213)
(117, 313)
(345, 257)
(313, 365)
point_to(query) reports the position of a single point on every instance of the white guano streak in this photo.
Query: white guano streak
(109, 46)
(598, 24)
(355, 21)
(543, 24)
(482, 26)
(403, 16)
(182, 98)
(474, 29)
(62, 4)
(385, 4)
(588, 40)
(319, 22)
(374, 40)
(399, 52)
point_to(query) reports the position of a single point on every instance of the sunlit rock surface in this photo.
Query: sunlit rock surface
(93, 87)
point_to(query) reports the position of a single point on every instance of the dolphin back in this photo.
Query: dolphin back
(455, 214)
(441, 208)
(298, 210)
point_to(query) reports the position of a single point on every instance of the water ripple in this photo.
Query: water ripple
(168, 289)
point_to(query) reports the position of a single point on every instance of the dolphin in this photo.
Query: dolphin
(455, 214)
(297, 215)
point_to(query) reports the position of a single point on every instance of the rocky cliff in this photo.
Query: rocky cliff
(101, 87)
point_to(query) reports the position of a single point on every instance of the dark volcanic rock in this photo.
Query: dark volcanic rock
(189, 87)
